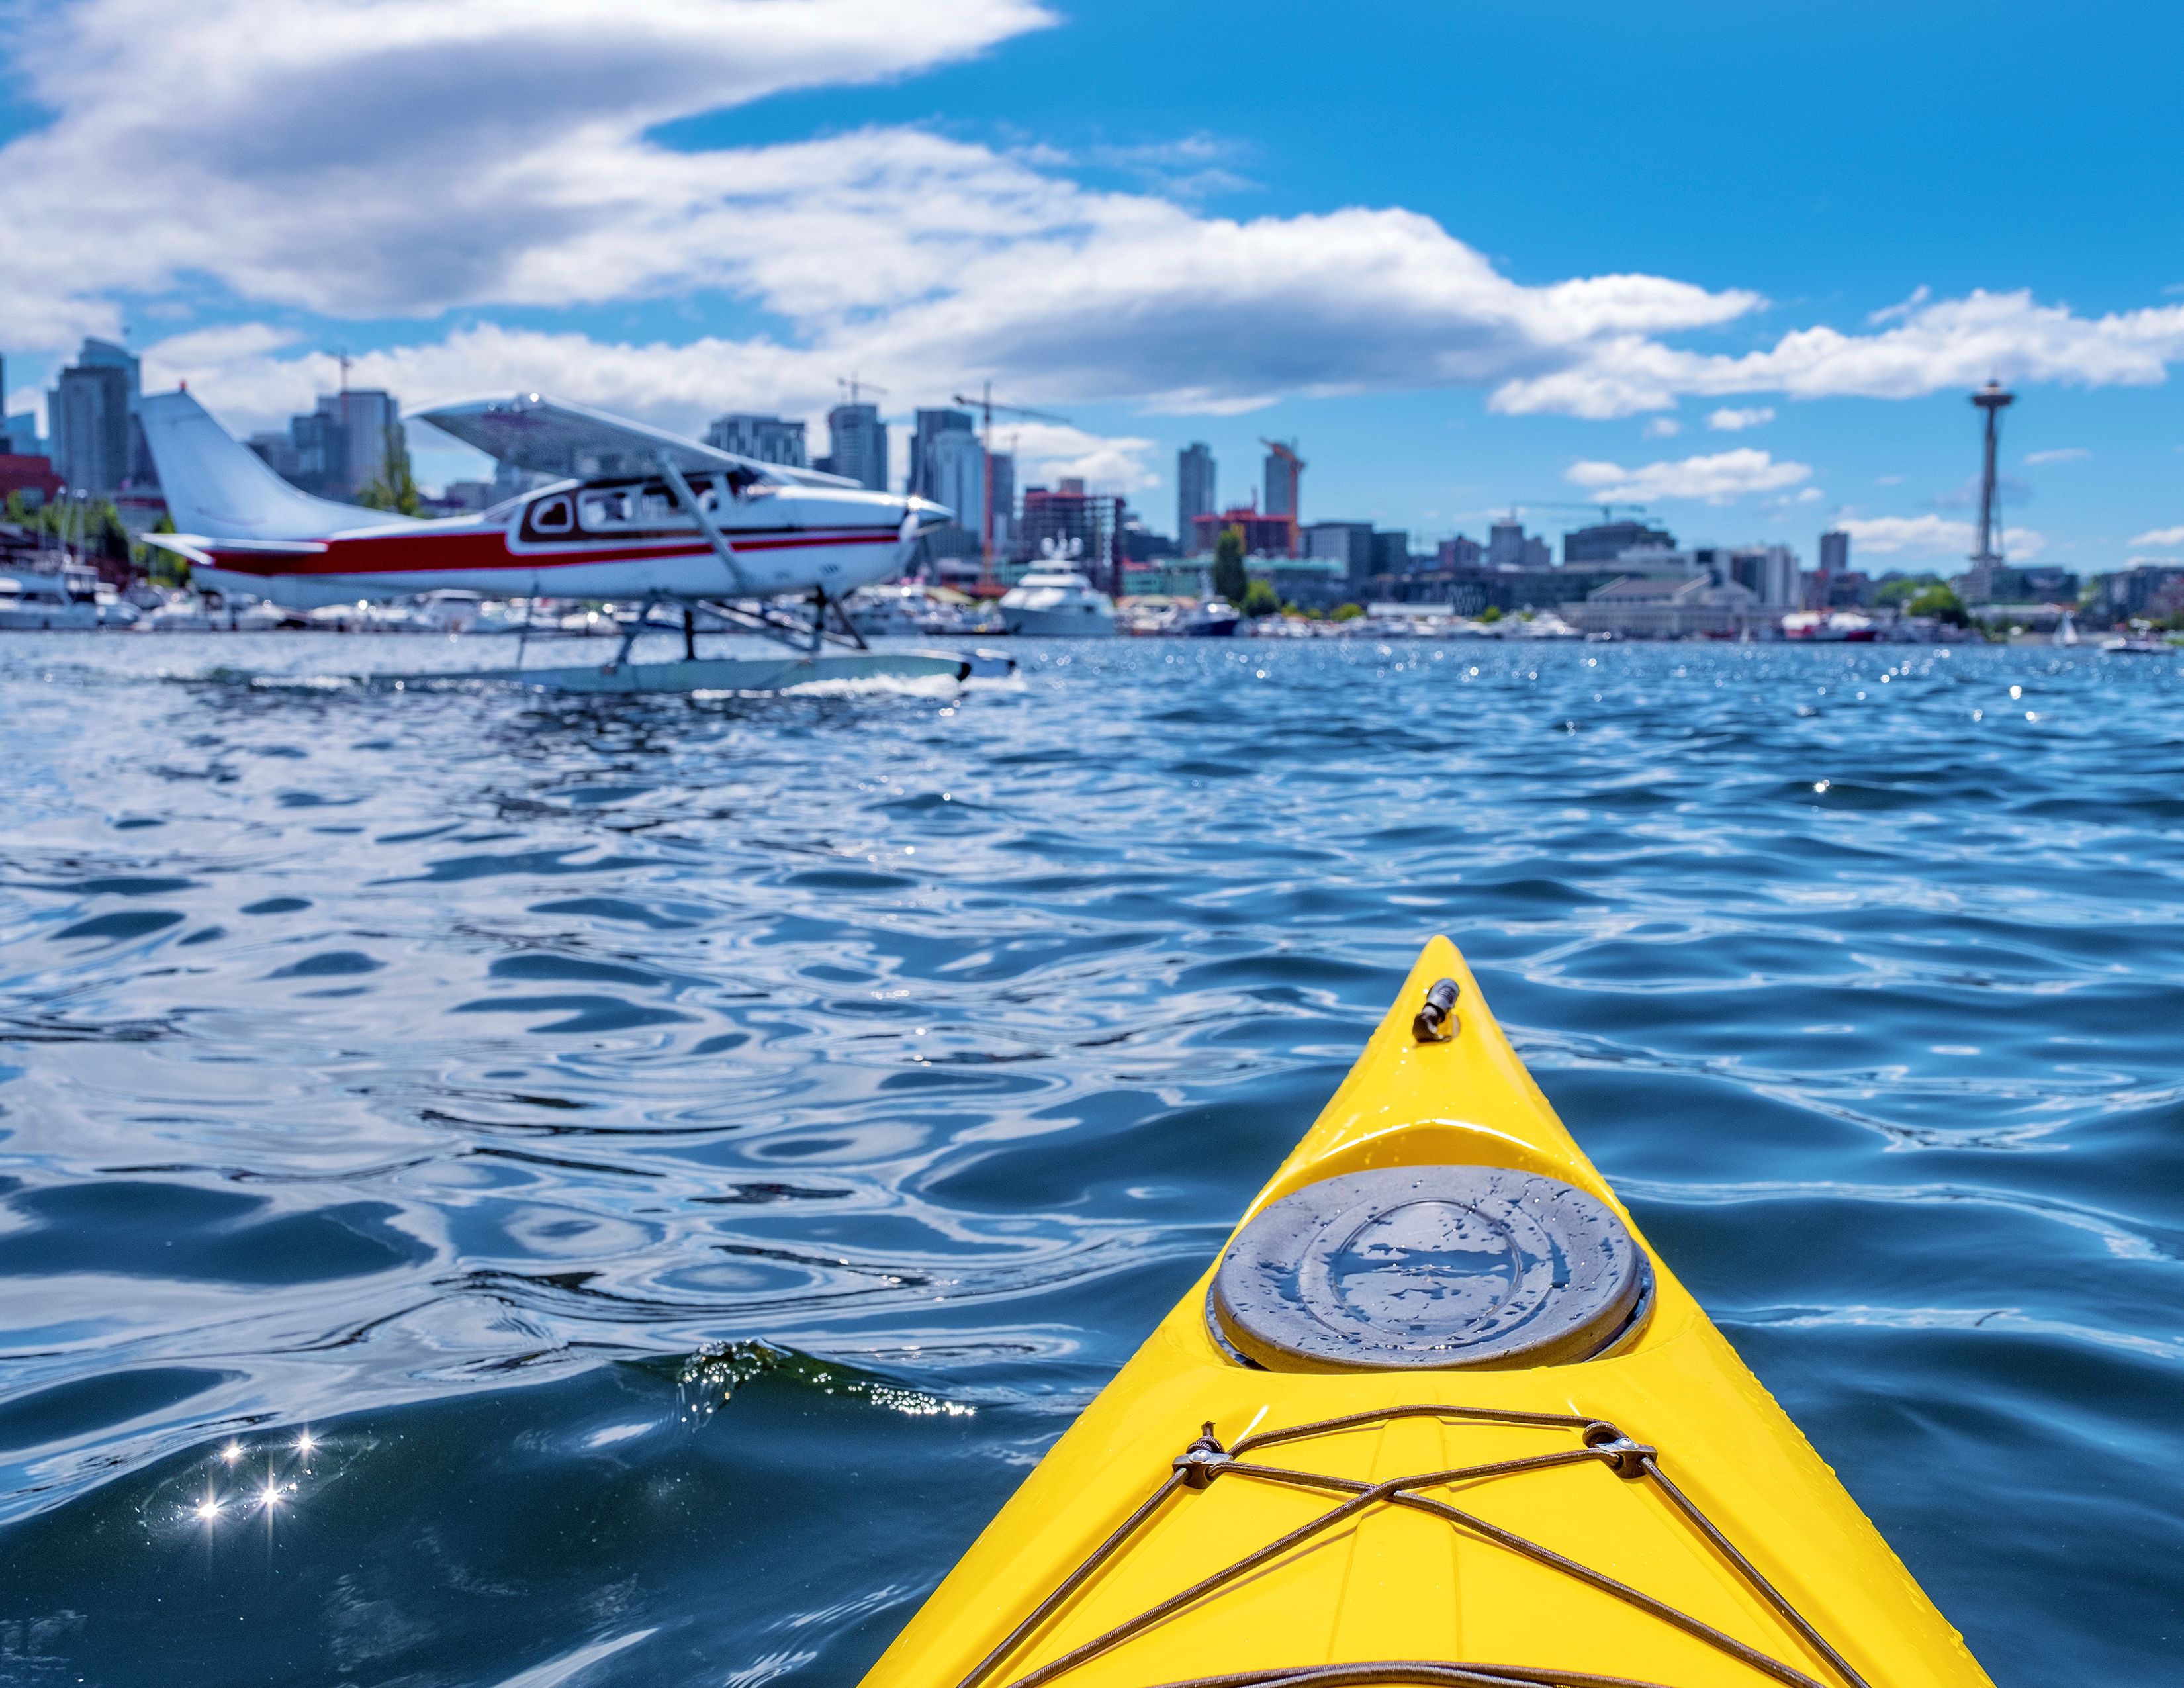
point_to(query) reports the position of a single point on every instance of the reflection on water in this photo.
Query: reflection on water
(679, 1162)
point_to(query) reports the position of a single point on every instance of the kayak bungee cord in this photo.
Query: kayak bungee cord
(1206, 1459)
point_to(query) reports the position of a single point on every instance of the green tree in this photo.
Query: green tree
(1492, 612)
(16, 512)
(1347, 612)
(1260, 598)
(1905, 588)
(395, 488)
(1939, 601)
(1229, 580)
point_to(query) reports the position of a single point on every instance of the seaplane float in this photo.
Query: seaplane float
(633, 514)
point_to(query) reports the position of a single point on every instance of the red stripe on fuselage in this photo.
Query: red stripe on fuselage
(416, 553)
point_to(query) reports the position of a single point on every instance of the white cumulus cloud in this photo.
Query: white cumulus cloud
(1932, 536)
(1730, 421)
(2068, 453)
(2160, 536)
(1663, 427)
(425, 165)
(1718, 479)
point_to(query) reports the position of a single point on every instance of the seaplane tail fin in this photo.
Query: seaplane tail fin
(219, 487)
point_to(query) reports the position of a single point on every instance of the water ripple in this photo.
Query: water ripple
(683, 1159)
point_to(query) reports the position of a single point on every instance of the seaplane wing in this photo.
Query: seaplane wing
(553, 436)
(642, 515)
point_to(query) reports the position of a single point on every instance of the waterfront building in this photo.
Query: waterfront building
(1348, 543)
(857, 445)
(1263, 535)
(1673, 606)
(1391, 551)
(1603, 541)
(1460, 553)
(1834, 552)
(30, 475)
(2142, 589)
(1195, 478)
(1140, 544)
(2003, 583)
(770, 439)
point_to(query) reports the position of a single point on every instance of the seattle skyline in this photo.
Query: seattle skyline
(1753, 295)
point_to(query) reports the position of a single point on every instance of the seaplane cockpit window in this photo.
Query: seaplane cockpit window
(553, 515)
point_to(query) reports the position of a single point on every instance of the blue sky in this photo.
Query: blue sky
(1395, 241)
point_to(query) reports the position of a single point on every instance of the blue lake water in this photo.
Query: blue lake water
(683, 1161)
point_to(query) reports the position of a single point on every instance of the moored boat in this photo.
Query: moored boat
(1438, 1414)
(1054, 601)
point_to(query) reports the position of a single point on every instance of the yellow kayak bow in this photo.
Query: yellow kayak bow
(1542, 1466)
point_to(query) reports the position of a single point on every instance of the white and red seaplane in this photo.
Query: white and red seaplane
(637, 514)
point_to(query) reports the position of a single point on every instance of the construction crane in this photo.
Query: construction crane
(1286, 450)
(986, 405)
(1606, 510)
(856, 388)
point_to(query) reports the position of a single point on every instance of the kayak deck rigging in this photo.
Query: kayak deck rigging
(1206, 1459)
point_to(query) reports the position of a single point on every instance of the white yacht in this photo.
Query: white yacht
(46, 601)
(1054, 601)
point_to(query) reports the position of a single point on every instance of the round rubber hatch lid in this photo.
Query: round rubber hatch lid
(1429, 1266)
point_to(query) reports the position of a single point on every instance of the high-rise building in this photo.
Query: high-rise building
(953, 472)
(769, 439)
(1391, 550)
(1505, 544)
(1462, 552)
(372, 446)
(1194, 475)
(857, 445)
(1834, 552)
(1004, 466)
(926, 446)
(1603, 541)
(89, 413)
(1769, 572)
(1285, 469)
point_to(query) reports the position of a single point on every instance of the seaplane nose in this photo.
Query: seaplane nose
(928, 514)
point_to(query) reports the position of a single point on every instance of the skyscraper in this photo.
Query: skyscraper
(1284, 469)
(88, 412)
(1194, 488)
(953, 468)
(1004, 498)
(1834, 552)
(1505, 544)
(370, 421)
(926, 444)
(857, 444)
(770, 439)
